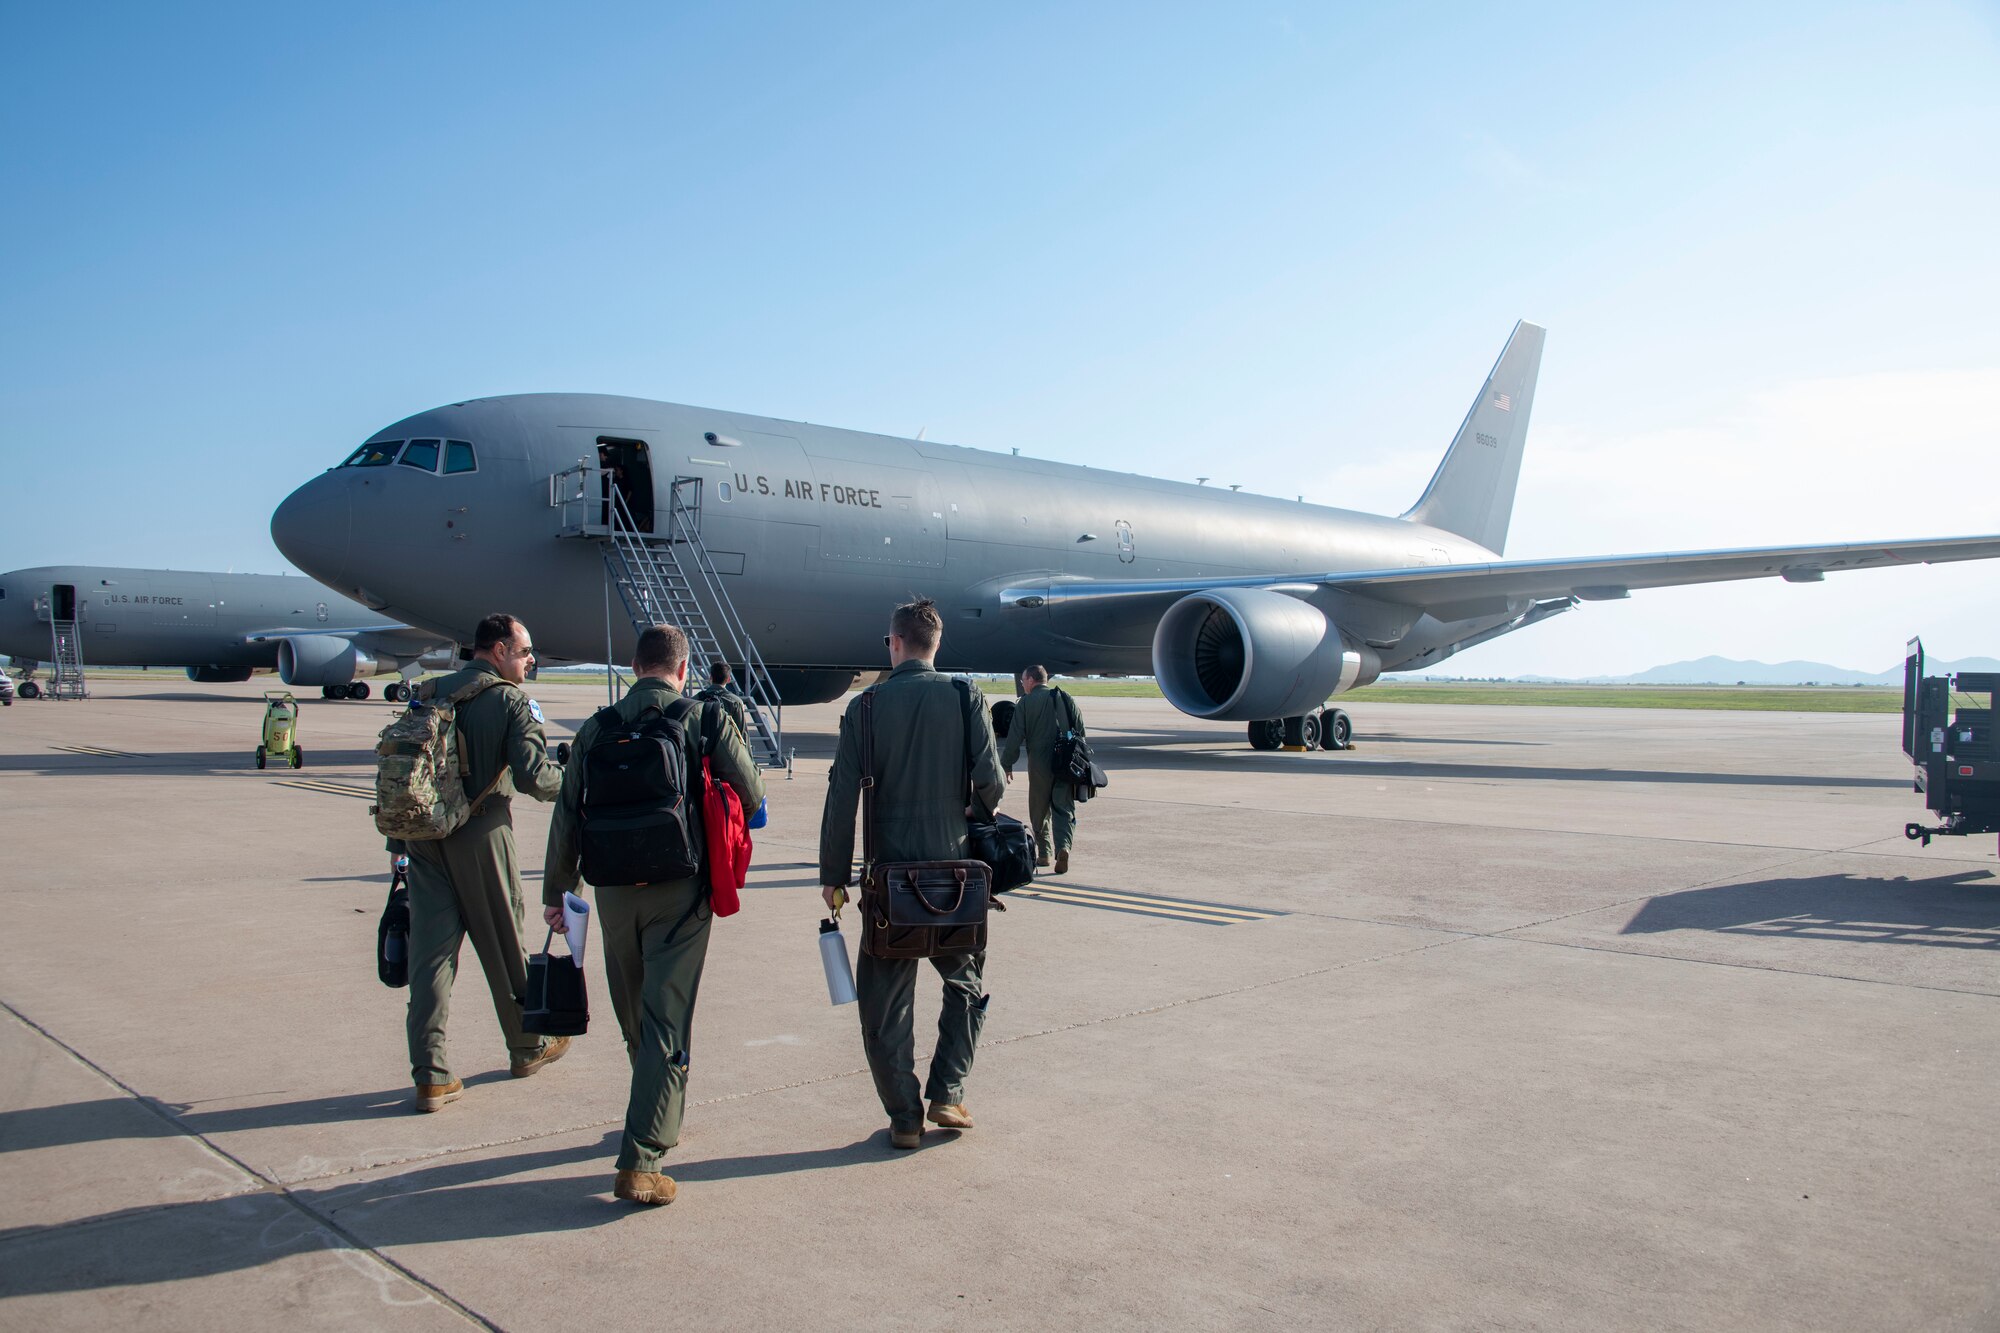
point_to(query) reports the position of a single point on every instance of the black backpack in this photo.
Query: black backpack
(731, 700)
(641, 816)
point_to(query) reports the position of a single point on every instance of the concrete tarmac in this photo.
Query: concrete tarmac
(1510, 1018)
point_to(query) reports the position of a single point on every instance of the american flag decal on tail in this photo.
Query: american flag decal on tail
(1504, 401)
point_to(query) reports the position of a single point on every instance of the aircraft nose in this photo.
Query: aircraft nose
(313, 527)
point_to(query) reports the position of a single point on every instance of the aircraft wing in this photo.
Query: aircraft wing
(390, 640)
(1451, 592)
(1605, 578)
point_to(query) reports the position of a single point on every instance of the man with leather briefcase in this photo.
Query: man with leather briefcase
(925, 745)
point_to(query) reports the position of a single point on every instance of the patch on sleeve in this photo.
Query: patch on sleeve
(535, 710)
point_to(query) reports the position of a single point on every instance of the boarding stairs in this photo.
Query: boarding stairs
(66, 679)
(667, 575)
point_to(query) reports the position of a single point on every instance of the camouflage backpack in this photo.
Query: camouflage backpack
(420, 791)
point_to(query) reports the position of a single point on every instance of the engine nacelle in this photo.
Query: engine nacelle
(218, 675)
(319, 659)
(1244, 654)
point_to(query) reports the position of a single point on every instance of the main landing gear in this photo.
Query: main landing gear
(354, 690)
(1328, 729)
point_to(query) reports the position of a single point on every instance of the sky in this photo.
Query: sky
(1278, 245)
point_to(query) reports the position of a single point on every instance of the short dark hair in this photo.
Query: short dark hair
(1038, 674)
(918, 624)
(718, 672)
(493, 631)
(661, 649)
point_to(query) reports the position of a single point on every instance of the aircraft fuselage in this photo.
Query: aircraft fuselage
(818, 532)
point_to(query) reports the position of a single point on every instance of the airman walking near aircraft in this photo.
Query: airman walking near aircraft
(1045, 715)
(655, 934)
(929, 738)
(469, 883)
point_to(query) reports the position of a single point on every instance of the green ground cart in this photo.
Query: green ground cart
(281, 730)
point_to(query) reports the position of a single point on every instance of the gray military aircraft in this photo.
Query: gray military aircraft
(1245, 607)
(221, 627)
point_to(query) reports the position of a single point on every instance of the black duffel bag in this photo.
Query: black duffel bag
(1005, 844)
(392, 933)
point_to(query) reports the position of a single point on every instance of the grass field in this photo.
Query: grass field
(1764, 699)
(1767, 699)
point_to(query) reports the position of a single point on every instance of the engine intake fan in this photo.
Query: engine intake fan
(1243, 654)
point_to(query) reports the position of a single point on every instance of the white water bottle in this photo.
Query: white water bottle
(833, 957)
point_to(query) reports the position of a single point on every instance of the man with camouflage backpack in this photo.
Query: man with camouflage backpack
(468, 881)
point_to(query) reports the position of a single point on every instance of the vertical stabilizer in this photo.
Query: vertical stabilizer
(1472, 493)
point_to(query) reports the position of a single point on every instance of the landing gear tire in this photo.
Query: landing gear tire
(358, 690)
(1303, 731)
(393, 692)
(328, 692)
(298, 757)
(1336, 731)
(260, 756)
(1267, 734)
(30, 690)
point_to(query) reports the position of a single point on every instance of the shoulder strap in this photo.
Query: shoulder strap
(964, 689)
(1069, 708)
(476, 686)
(866, 726)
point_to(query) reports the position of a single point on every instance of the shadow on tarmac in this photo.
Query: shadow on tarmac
(1115, 757)
(1955, 911)
(441, 1203)
(106, 1119)
(193, 763)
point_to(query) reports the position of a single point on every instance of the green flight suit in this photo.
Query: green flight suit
(1040, 720)
(924, 751)
(655, 936)
(470, 882)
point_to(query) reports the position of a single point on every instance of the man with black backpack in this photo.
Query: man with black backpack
(722, 689)
(1045, 718)
(630, 819)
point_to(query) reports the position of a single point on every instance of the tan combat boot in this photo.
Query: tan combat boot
(906, 1138)
(551, 1053)
(433, 1096)
(645, 1187)
(951, 1117)
(1062, 863)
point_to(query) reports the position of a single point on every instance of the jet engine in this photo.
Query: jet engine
(798, 686)
(317, 659)
(1245, 654)
(217, 675)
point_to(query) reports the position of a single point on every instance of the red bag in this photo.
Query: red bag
(728, 841)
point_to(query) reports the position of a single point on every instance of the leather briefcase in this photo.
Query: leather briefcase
(924, 909)
(915, 909)
(555, 1004)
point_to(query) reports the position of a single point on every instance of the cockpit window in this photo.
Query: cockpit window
(458, 457)
(422, 454)
(379, 453)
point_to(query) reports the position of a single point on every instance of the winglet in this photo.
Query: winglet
(1472, 492)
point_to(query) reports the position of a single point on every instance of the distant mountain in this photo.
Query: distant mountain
(1729, 671)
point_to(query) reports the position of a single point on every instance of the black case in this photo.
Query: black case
(555, 1005)
(392, 935)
